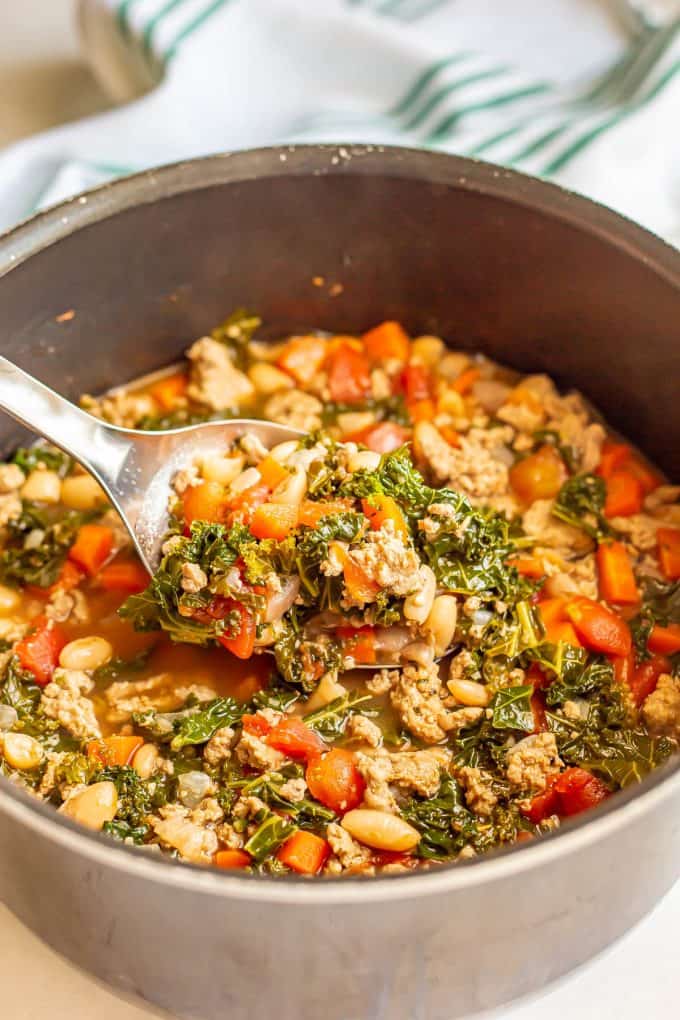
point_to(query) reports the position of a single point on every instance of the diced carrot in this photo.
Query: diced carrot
(648, 478)
(273, 520)
(115, 750)
(335, 781)
(385, 437)
(302, 357)
(615, 574)
(125, 576)
(204, 502)
(451, 435)
(387, 342)
(379, 509)
(360, 587)
(624, 494)
(421, 410)
(272, 473)
(600, 629)
(528, 566)
(645, 677)
(242, 642)
(294, 738)
(552, 611)
(616, 457)
(304, 852)
(232, 860)
(563, 631)
(538, 476)
(416, 381)
(466, 380)
(349, 380)
(38, 652)
(668, 540)
(167, 391)
(358, 642)
(244, 504)
(612, 457)
(92, 547)
(664, 640)
(311, 511)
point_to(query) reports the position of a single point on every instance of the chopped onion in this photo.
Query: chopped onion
(490, 393)
(281, 601)
(193, 787)
(481, 617)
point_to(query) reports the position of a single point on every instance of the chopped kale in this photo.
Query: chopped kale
(124, 832)
(116, 668)
(444, 823)
(198, 726)
(272, 831)
(330, 721)
(26, 561)
(32, 457)
(392, 408)
(580, 502)
(511, 708)
(137, 797)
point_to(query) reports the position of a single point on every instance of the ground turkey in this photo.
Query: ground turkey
(386, 560)
(470, 468)
(64, 699)
(175, 829)
(416, 697)
(661, 710)
(214, 380)
(479, 794)
(532, 762)
(296, 409)
(351, 855)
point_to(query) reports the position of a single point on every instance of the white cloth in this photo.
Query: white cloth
(552, 87)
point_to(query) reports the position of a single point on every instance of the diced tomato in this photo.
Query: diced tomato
(379, 509)
(128, 576)
(292, 737)
(668, 540)
(273, 520)
(92, 547)
(302, 357)
(335, 780)
(38, 652)
(304, 852)
(242, 642)
(232, 860)
(421, 410)
(542, 805)
(599, 628)
(624, 667)
(645, 677)
(358, 642)
(381, 858)
(256, 724)
(167, 391)
(538, 679)
(577, 791)
(204, 502)
(538, 476)
(615, 573)
(311, 512)
(115, 750)
(416, 381)
(349, 379)
(387, 342)
(466, 380)
(664, 640)
(243, 505)
(624, 494)
(385, 437)
(69, 577)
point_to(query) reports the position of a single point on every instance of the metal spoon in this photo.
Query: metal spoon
(134, 468)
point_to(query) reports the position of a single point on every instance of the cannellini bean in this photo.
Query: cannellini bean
(145, 760)
(82, 492)
(420, 652)
(354, 421)
(427, 349)
(328, 690)
(291, 490)
(282, 451)
(85, 653)
(441, 622)
(269, 379)
(469, 693)
(8, 717)
(452, 364)
(380, 830)
(21, 751)
(92, 806)
(42, 487)
(418, 605)
(10, 600)
(363, 460)
(222, 470)
(251, 476)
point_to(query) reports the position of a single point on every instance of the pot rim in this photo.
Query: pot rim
(58, 222)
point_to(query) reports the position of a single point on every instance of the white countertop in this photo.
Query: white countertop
(43, 82)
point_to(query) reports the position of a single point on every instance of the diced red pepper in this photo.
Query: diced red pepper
(38, 652)
(293, 737)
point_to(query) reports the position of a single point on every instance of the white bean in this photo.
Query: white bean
(380, 830)
(82, 492)
(92, 806)
(85, 653)
(193, 787)
(145, 760)
(8, 717)
(328, 690)
(268, 379)
(354, 421)
(418, 605)
(251, 476)
(441, 622)
(42, 487)
(469, 693)
(427, 350)
(21, 751)
(420, 652)
(366, 460)
(282, 451)
(291, 491)
(10, 600)
(221, 469)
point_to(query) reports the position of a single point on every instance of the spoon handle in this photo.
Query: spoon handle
(96, 446)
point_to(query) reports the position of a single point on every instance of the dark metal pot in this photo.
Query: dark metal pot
(341, 238)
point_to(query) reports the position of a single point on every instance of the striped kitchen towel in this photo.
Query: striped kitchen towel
(556, 88)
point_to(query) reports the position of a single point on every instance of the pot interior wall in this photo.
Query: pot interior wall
(484, 272)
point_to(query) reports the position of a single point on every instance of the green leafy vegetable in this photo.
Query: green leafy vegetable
(330, 721)
(444, 823)
(32, 457)
(123, 831)
(580, 502)
(199, 725)
(23, 561)
(272, 831)
(511, 708)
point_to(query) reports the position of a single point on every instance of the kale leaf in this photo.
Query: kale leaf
(511, 708)
(330, 721)
(123, 831)
(22, 561)
(199, 725)
(272, 831)
(444, 823)
(29, 458)
(580, 502)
